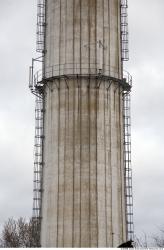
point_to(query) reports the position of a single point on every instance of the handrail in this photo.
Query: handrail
(73, 69)
(78, 69)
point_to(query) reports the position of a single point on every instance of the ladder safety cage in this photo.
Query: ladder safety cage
(127, 166)
(124, 31)
(38, 163)
(38, 149)
(41, 22)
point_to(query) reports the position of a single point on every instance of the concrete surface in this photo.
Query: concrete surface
(83, 202)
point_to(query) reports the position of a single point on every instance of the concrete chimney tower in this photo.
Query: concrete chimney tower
(82, 184)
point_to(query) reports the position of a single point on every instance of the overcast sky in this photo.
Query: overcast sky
(17, 47)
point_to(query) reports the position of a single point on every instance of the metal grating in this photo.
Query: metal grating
(40, 26)
(124, 31)
(127, 165)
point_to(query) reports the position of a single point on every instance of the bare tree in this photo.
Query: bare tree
(19, 233)
(146, 241)
(141, 242)
(159, 239)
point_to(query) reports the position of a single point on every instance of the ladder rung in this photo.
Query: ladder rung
(39, 136)
(38, 190)
(37, 145)
(38, 162)
(36, 171)
(35, 217)
(38, 118)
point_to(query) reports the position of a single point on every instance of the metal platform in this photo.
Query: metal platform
(77, 71)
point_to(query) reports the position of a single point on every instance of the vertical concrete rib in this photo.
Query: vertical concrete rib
(115, 170)
(99, 33)
(105, 145)
(55, 33)
(93, 127)
(108, 169)
(84, 166)
(68, 205)
(106, 40)
(84, 127)
(77, 33)
(113, 165)
(123, 205)
(61, 165)
(77, 147)
(100, 134)
(84, 37)
(92, 35)
(62, 96)
(93, 167)
(62, 42)
(101, 170)
(119, 187)
(121, 170)
(114, 49)
(54, 172)
(77, 197)
(120, 63)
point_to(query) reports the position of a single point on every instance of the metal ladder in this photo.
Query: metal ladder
(39, 126)
(41, 22)
(38, 164)
(124, 31)
(127, 166)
